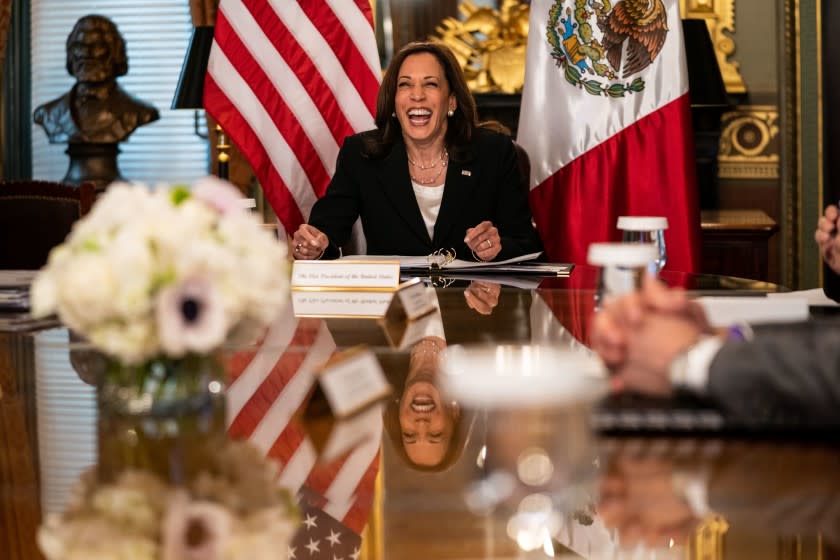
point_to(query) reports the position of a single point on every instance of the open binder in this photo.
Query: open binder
(444, 263)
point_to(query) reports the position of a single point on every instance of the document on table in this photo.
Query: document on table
(815, 297)
(522, 265)
(726, 311)
(14, 288)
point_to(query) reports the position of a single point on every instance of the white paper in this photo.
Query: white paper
(410, 262)
(727, 311)
(815, 297)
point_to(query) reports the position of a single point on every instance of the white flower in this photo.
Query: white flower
(195, 530)
(93, 538)
(86, 290)
(219, 194)
(190, 317)
(130, 274)
(134, 341)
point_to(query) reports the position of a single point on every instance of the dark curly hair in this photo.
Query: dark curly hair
(461, 126)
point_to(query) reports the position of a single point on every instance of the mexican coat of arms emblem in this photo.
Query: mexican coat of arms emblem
(602, 44)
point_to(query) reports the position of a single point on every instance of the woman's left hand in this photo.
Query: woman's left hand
(484, 241)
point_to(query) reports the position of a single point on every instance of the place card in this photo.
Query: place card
(343, 408)
(402, 335)
(345, 274)
(412, 300)
(337, 304)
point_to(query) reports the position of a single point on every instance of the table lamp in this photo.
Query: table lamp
(189, 93)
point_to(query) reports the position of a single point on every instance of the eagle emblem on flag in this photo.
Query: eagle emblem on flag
(600, 44)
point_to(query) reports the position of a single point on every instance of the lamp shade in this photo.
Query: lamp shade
(190, 91)
(705, 83)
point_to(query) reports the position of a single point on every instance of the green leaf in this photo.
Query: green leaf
(571, 76)
(616, 90)
(179, 194)
(593, 87)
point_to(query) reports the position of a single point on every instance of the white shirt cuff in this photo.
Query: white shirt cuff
(693, 371)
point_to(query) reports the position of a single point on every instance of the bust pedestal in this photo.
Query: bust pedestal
(96, 163)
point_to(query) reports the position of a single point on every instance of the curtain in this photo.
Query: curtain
(5, 15)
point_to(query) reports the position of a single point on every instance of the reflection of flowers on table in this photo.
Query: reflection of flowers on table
(232, 509)
(165, 271)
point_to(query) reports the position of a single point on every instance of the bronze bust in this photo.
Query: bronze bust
(96, 110)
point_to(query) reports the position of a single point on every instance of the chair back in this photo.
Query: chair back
(35, 216)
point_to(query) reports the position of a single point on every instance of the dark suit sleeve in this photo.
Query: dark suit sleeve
(787, 370)
(337, 211)
(831, 283)
(516, 229)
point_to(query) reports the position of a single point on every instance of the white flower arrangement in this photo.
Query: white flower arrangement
(232, 510)
(165, 272)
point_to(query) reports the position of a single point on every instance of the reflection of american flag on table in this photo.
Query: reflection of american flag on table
(267, 387)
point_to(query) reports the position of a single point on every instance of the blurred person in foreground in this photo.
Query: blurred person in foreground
(829, 244)
(657, 341)
(427, 177)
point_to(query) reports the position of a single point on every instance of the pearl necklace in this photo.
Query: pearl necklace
(444, 160)
(443, 156)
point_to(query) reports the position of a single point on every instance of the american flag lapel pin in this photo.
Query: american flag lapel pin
(466, 172)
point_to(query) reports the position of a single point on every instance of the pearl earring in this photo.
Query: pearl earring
(394, 114)
(450, 112)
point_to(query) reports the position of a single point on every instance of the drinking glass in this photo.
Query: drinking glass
(646, 229)
(537, 402)
(623, 265)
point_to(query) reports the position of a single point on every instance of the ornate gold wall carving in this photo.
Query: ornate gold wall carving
(720, 18)
(749, 143)
(489, 44)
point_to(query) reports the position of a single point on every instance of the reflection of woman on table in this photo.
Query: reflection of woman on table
(427, 424)
(428, 177)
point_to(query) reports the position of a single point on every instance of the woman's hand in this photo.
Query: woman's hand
(309, 243)
(827, 238)
(484, 241)
(482, 296)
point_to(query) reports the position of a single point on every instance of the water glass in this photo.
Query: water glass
(646, 229)
(623, 266)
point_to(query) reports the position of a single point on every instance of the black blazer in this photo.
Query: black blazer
(487, 187)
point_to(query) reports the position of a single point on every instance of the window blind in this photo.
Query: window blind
(156, 33)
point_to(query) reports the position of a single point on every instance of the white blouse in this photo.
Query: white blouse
(428, 199)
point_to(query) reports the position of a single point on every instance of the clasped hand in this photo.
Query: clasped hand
(827, 239)
(640, 334)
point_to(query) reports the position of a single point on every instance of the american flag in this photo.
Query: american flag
(267, 387)
(288, 81)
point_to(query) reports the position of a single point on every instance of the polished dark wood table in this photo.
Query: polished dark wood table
(688, 496)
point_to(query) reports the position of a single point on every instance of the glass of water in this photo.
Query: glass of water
(623, 266)
(646, 229)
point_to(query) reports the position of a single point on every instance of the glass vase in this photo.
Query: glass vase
(165, 416)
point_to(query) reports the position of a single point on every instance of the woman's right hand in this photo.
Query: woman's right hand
(309, 243)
